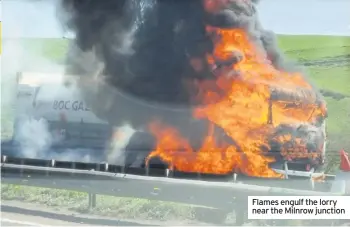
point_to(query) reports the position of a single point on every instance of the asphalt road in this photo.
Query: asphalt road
(17, 213)
(7, 223)
(12, 216)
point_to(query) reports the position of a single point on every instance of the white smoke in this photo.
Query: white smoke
(121, 138)
(39, 146)
(17, 57)
(33, 137)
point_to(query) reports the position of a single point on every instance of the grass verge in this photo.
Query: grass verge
(313, 47)
(126, 208)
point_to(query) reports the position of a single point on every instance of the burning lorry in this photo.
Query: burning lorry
(72, 124)
(202, 83)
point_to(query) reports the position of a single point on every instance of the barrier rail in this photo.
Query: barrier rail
(104, 179)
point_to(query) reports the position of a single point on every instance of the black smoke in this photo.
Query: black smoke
(141, 49)
(139, 53)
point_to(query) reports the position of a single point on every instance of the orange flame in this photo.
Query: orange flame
(244, 112)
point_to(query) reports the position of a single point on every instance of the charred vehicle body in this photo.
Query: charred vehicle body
(201, 81)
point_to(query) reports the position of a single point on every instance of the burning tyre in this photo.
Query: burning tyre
(202, 77)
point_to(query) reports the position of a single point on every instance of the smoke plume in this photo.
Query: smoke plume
(139, 53)
(140, 60)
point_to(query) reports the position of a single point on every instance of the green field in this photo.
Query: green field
(329, 69)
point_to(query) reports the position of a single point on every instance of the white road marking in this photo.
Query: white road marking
(24, 223)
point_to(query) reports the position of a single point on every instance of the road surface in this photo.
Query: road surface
(10, 223)
(18, 213)
(15, 213)
(12, 218)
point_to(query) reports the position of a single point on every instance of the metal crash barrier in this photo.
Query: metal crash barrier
(227, 193)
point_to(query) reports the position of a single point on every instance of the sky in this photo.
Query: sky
(38, 18)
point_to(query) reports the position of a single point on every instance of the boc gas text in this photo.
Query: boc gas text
(70, 105)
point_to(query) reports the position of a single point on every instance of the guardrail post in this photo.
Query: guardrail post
(92, 200)
(241, 208)
(73, 167)
(21, 169)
